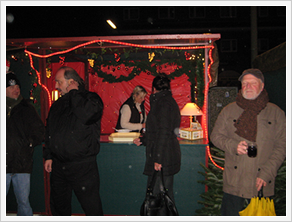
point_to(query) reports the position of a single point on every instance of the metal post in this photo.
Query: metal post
(254, 33)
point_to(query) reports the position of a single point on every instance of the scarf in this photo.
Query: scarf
(11, 103)
(246, 124)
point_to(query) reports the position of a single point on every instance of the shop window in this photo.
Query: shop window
(263, 45)
(131, 13)
(228, 45)
(228, 12)
(197, 12)
(263, 11)
(166, 13)
(281, 11)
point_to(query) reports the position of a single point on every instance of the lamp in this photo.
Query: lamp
(195, 131)
(191, 109)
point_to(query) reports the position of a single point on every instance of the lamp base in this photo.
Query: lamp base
(190, 134)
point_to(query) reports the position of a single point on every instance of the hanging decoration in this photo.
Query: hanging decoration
(194, 69)
(48, 73)
(117, 57)
(62, 60)
(7, 66)
(14, 58)
(91, 62)
(151, 56)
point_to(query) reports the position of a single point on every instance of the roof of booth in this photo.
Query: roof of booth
(173, 40)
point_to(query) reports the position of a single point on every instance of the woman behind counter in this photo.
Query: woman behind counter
(132, 113)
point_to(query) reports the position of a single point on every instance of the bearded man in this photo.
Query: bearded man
(251, 118)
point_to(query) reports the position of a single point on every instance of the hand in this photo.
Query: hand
(259, 183)
(72, 84)
(48, 165)
(157, 166)
(137, 141)
(143, 125)
(242, 148)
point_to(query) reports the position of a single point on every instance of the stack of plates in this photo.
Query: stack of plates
(123, 136)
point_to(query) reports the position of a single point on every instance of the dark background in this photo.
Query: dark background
(232, 22)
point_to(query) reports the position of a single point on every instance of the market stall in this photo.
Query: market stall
(112, 67)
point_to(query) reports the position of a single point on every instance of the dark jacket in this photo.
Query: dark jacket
(73, 127)
(24, 131)
(135, 115)
(241, 171)
(162, 146)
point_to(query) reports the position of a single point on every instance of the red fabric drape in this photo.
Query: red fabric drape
(115, 94)
(78, 66)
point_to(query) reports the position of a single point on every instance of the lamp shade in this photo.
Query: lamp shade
(191, 109)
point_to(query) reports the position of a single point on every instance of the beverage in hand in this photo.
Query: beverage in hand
(252, 150)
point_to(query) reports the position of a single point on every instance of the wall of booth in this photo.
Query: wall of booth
(118, 161)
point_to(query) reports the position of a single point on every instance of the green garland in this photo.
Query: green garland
(194, 68)
(137, 59)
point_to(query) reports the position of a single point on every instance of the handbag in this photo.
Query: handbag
(153, 203)
(259, 206)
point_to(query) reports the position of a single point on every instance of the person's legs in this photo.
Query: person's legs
(231, 205)
(21, 187)
(86, 188)
(8, 181)
(61, 191)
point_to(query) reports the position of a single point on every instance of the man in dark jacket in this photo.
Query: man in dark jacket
(72, 144)
(24, 130)
(162, 146)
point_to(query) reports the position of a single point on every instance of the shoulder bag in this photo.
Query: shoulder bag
(153, 203)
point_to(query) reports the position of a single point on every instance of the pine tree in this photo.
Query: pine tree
(212, 198)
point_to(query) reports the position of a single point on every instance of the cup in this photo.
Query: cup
(252, 149)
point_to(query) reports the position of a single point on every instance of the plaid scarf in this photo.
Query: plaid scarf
(246, 124)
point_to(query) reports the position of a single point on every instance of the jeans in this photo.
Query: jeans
(231, 205)
(21, 187)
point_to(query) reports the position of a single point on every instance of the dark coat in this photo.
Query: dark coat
(162, 126)
(73, 127)
(24, 131)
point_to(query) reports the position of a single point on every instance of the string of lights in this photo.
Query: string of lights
(205, 110)
(117, 43)
(39, 79)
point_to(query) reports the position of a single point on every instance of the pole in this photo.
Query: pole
(254, 33)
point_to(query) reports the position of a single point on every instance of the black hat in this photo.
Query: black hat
(11, 80)
(255, 72)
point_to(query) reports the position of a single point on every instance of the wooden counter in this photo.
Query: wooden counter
(122, 183)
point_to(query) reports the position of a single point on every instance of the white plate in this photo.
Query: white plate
(123, 130)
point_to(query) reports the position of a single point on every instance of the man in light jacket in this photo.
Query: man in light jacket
(251, 118)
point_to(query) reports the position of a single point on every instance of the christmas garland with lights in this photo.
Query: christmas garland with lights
(151, 62)
(190, 63)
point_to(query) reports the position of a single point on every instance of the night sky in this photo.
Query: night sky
(55, 21)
